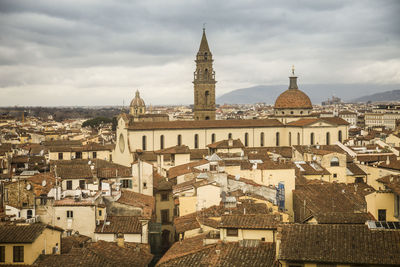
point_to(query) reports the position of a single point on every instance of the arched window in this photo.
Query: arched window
(291, 112)
(246, 139)
(213, 138)
(277, 138)
(328, 138)
(298, 139)
(334, 162)
(162, 142)
(179, 141)
(340, 135)
(207, 97)
(144, 142)
(311, 138)
(196, 141)
(207, 118)
(205, 55)
(229, 135)
(262, 139)
(290, 139)
(205, 73)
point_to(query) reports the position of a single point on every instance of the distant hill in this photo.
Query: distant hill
(393, 95)
(316, 92)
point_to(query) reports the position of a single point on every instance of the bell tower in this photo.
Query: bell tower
(204, 83)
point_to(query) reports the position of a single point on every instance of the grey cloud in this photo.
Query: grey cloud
(84, 45)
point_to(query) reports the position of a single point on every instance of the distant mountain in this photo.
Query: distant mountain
(393, 95)
(316, 92)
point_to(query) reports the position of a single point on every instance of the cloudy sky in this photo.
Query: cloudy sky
(92, 52)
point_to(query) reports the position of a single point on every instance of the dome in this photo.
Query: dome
(293, 98)
(137, 101)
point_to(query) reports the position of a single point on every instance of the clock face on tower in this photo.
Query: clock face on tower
(121, 143)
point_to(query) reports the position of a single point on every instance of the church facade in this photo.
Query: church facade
(291, 124)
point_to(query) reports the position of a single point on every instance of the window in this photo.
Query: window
(328, 138)
(2, 254)
(82, 184)
(334, 162)
(229, 135)
(335, 175)
(144, 185)
(164, 196)
(143, 142)
(162, 142)
(212, 138)
(43, 200)
(179, 140)
(69, 185)
(290, 139)
(381, 215)
(312, 139)
(100, 212)
(291, 112)
(207, 97)
(18, 253)
(29, 214)
(246, 139)
(94, 154)
(298, 139)
(340, 136)
(397, 206)
(78, 155)
(262, 139)
(70, 214)
(196, 141)
(60, 155)
(277, 139)
(164, 216)
(126, 183)
(232, 232)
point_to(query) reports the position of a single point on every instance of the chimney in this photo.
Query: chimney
(278, 241)
(230, 142)
(120, 240)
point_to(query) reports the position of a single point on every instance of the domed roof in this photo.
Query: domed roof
(137, 101)
(293, 98)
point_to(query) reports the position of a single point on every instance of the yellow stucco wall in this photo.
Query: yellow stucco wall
(46, 241)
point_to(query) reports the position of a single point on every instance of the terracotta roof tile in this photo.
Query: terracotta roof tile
(339, 244)
(250, 221)
(22, 233)
(120, 224)
(225, 144)
(391, 182)
(185, 168)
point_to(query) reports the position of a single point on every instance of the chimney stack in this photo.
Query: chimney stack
(120, 240)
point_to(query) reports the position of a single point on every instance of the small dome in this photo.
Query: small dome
(137, 101)
(293, 98)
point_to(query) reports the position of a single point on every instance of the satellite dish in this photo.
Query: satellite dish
(28, 187)
(44, 183)
(314, 158)
(237, 177)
